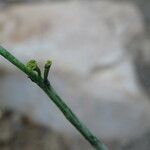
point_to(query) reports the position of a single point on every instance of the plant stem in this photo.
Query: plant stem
(46, 71)
(48, 89)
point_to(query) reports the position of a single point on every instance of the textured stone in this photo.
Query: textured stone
(92, 70)
(26, 135)
(142, 62)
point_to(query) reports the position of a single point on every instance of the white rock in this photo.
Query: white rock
(92, 69)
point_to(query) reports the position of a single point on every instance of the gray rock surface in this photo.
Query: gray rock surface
(92, 70)
(142, 62)
(18, 132)
(144, 6)
(141, 142)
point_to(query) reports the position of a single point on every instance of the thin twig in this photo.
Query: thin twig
(48, 89)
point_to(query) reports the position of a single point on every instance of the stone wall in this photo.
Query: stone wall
(93, 70)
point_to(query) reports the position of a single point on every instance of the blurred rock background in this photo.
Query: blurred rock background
(101, 68)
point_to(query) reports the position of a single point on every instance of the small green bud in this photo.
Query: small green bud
(46, 71)
(48, 64)
(32, 64)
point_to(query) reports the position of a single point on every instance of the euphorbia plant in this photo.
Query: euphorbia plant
(32, 70)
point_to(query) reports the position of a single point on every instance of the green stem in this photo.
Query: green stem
(46, 71)
(48, 89)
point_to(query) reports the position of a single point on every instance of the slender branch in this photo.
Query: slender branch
(48, 89)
